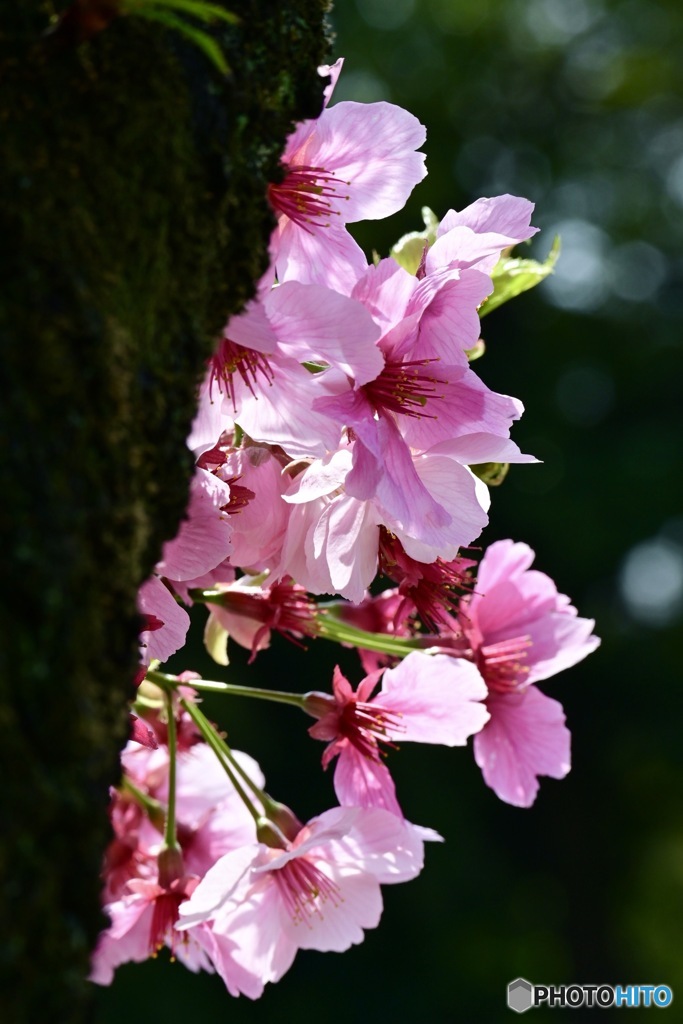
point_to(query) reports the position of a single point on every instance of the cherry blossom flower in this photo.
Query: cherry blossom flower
(319, 891)
(145, 883)
(142, 922)
(425, 699)
(248, 612)
(356, 161)
(521, 631)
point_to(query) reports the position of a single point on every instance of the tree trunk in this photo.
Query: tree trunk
(133, 221)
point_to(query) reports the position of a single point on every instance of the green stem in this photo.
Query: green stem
(213, 686)
(331, 628)
(170, 838)
(277, 816)
(223, 753)
(154, 810)
(278, 696)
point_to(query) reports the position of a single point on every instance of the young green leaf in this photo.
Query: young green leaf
(200, 38)
(512, 276)
(408, 250)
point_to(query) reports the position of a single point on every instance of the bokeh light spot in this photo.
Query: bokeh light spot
(651, 582)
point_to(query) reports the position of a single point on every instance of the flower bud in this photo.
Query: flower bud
(171, 867)
(284, 819)
(268, 832)
(317, 705)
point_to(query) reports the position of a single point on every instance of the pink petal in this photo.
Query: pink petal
(346, 537)
(221, 950)
(341, 687)
(332, 71)
(257, 925)
(462, 248)
(505, 215)
(258, 531)
(402, 493)
(371, 146)
(456, 490)
(450, 321)
(126, 939)
(386, 290)
(252, 329)
(210, 420)
(325, 255)
(558, 642)
(467, 407)
(360, 782)
(216, 887)
(321, 830)
(503, 560)
(340, 924)
(282, 413)
(316, 324)
(203, 539)
(437, 697)
(385, 845)
(525, 737)
(472, 449)
(159, 644)
(320, 478)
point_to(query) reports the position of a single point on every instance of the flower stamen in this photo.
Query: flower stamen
(304, 196)
(304, 888)
(501, 663)
(231, 358)
(402, 388)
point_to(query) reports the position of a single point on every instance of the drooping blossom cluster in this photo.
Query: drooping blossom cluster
(340, 444)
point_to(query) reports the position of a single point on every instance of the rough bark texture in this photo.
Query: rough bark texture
(133, 221)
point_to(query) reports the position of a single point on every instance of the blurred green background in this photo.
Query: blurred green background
(575, 104)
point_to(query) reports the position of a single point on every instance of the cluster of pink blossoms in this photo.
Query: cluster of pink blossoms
(337, 430)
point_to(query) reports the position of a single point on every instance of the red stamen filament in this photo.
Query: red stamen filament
(231, 358)
(434, 589)
(240, 497)
(304, 196)
(364, 725)
(164, 916)
(401, 388)
(304, 888)
(501, 663)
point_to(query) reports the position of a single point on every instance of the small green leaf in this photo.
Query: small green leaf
(216, 640)
(512, 276)
(492, 473)
(477, 350)
(196, 8)
(210, 48)
(408, 250)
(200, 39)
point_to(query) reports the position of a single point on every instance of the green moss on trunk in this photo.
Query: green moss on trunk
(134, 221)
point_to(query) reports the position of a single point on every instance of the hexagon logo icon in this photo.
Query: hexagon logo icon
(520, 995)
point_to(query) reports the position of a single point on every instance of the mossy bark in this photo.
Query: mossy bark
(133, 221)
